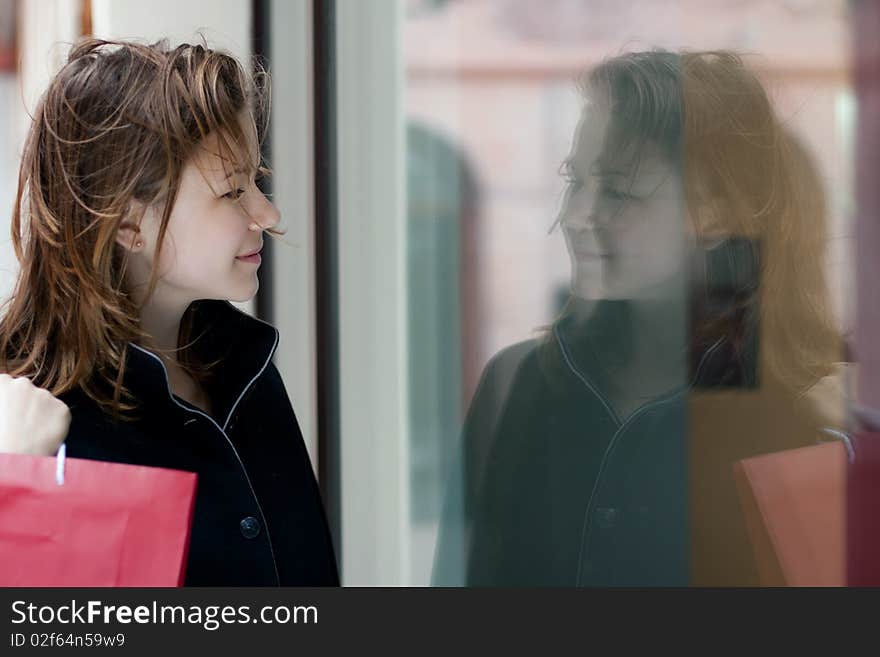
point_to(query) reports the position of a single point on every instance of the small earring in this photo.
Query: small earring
(139, 244)
(256, 227)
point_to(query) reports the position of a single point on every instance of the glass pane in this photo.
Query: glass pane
(629, 245)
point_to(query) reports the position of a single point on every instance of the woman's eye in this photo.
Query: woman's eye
(616, 194)
(234, 194)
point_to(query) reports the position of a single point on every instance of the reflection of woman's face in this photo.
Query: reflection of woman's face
(625, 229)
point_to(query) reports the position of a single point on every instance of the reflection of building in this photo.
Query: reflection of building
(7, 35)
(497, 75)
(442, 326)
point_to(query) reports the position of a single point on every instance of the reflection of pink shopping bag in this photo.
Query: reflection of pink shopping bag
(77, 522)
(863, 511)
(795, 508)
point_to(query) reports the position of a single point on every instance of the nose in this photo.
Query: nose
(266, 216)
(590, 220)
(584, 211)
(589, 229)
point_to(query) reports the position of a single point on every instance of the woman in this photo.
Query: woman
(138, 219)
(602, 454)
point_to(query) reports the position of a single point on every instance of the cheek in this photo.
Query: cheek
(193, 254)
(659, 226)
(213, 233)
(575, 210)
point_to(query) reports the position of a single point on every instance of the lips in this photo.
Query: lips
(251, 253)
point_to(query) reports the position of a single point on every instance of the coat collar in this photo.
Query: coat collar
(243, 344)
(604, 341)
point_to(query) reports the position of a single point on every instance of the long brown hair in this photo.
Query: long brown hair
(112, 132)
(743, 169)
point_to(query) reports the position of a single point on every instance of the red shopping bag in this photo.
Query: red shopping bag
(863, 511)
(78, 522)
(795, 510)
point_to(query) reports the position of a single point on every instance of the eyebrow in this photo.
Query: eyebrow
(610, 173)
(239, 170)
(599, 169)
(605, 171)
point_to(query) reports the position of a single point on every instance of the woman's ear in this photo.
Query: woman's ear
(128, 234)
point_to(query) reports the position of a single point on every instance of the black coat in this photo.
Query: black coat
(258, 518)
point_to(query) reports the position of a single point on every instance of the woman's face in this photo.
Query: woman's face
(209, 231)
(624, 228)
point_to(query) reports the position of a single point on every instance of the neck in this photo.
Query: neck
(644, 347)
(160, 319)
(660, 340)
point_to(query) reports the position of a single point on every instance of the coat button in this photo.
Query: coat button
(250, 527)
(607, 517)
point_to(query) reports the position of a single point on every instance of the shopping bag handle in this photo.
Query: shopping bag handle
(59, 464)
(845, 439)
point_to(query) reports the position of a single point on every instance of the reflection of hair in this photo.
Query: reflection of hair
(115, 127)
(745, 176)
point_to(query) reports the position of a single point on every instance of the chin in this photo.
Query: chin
(590, 285)
(244, 295)
(241, 298)
(589, 293)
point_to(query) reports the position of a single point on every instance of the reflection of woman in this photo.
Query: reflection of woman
(602, 454)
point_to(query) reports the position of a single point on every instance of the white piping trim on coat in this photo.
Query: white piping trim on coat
(222, 431)
(251, 382)
(582, 377)
(587, 525)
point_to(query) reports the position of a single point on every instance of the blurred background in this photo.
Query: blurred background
(416, 146)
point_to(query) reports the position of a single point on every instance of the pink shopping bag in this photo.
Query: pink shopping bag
(78, 522)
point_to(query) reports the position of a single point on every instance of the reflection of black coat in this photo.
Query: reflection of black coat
(258, 517)
(555, 490)
(571, 496)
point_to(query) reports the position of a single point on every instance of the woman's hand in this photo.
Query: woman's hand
(32, 420)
